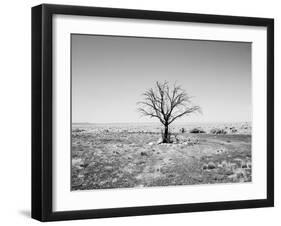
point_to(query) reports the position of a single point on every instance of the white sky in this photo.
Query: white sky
(109, 74)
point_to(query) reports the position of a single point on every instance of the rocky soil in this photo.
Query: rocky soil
(108, 158)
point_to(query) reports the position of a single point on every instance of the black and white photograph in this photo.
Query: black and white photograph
(151, 112)
(147, 111)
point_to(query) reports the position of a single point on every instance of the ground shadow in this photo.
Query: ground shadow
(25, 213)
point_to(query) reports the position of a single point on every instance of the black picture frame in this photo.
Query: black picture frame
(42, 111)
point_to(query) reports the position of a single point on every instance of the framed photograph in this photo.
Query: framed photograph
(145, 112)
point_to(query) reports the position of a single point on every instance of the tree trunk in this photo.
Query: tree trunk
(166, 137)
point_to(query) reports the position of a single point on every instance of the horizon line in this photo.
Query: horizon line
(160, 122)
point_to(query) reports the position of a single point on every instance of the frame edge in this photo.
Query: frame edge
(270, 112)
(36, 69)
(41, 179)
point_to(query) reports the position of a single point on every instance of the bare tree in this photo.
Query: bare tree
(167, 104)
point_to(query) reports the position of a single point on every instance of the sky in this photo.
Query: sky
(110, 73)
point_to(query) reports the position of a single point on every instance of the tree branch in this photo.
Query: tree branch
(165, 104)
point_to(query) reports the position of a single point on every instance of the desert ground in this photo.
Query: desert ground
(131, 155)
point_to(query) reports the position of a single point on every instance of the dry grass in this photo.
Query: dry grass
(114, 159)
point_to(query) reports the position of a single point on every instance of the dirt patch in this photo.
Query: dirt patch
(102, 160)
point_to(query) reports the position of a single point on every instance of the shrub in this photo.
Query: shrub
(197, 130)
(78, 130)
(218, 131)
(182, 130)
